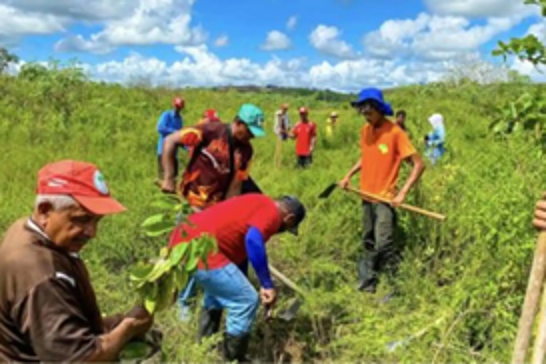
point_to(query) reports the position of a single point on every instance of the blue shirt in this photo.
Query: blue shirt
(435, 144)
(169, 122)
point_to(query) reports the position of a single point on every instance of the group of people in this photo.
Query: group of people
(48, 308)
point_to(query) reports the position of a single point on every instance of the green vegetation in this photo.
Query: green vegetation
(467, 275)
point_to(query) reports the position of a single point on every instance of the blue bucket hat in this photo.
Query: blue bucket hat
(375, 95)
(296, 207)
(253, 117)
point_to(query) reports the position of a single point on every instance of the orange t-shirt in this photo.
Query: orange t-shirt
(383, 150)
(304, 133)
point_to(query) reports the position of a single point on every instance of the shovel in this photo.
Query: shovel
(294, 305)
(328, 191)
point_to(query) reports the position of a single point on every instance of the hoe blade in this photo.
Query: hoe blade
(291, 312)
(328, 191)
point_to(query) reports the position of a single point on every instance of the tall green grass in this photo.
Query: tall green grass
(470, 270)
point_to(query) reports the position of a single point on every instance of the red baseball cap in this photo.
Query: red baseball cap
(80, 180)
(212, 115)
(178, 102)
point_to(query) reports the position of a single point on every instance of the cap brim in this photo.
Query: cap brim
(257, 132)
(100, 205)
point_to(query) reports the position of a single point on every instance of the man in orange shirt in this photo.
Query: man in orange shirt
(384, 145)
(305, 133)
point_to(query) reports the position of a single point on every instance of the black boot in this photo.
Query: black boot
(367, 275)
(235, 348)
(209, 323)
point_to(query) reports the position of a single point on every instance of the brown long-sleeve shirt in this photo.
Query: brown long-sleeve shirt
(48, 308)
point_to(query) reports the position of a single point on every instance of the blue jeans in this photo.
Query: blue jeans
(229, 288)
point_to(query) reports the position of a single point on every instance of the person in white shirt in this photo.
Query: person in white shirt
(281, 125)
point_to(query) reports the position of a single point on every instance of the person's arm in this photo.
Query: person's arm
(354, 170)
(242, 173)
(294, 132)
(255, 248)
(408, 153)
(416, 172)
(313, 137)
(190, 137)
(55, 323)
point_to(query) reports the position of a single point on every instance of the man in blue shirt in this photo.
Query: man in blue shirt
(169, 122)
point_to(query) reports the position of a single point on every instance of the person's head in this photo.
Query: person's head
(436, 120)
(71, 199)
(248, 123)
(370, 103)
(304, 114)
(178, 104)
(210, 115)
(292, 213)
(284, 108)
(400, 116)
(333, 115)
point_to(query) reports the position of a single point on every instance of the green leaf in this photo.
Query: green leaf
(177, 254)
(180, 278)
(140, 272)
(157, 225)
(160, 268)
(135, 350)
(150, 299)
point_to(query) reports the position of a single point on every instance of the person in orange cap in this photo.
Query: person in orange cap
(209, 116)
(48, 308)
(305, 133)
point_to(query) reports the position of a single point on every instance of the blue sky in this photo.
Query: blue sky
(338, 44)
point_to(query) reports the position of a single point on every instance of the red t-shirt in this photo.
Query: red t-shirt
(304, 132)
(229, 222)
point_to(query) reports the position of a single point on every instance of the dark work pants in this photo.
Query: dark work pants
(379, 223)
(160, 170)
(304, 161)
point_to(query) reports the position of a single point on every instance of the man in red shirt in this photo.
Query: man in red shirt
(242, 225)
(305, 133)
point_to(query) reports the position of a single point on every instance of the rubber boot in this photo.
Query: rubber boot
(367, 275)
(209, 323)
(235, 348)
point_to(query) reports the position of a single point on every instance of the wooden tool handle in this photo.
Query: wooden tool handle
(284, 279)
(421, 211)
(536, 277)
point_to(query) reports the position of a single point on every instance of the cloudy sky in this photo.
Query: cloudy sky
(338, 44)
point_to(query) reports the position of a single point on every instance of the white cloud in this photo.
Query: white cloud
(15, 23)
(481, 8)
(433, 37)
(150, 22)
(276, 40)
(221, 41)
(292, 22)
(326, 40)
(200, 67)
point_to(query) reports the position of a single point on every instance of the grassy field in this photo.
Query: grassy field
(467, 274)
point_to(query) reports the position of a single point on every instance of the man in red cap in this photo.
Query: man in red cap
(305, 133)
(48, 308)
(169, 122)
